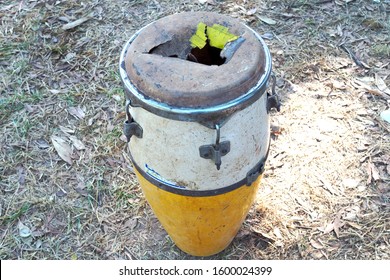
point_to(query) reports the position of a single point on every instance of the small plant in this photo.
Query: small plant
(22, 125)
(16, 214)
(381, 50)
(69, 98)
(310, 21)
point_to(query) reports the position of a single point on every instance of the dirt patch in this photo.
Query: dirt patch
(326, 190)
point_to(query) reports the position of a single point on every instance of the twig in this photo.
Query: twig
(354, 57)
(323, 2)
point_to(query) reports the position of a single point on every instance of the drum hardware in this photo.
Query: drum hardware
(215, 151)
(131, 127)
(254, 173)
(273, 98)
(257, 170)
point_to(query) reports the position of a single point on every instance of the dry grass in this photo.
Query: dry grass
(326, 193)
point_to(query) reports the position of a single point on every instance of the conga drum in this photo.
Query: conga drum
(198, 134)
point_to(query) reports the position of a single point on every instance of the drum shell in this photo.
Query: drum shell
(200, 225)
(169, 149)
(200, 207)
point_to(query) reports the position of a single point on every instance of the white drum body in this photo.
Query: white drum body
(169, 149)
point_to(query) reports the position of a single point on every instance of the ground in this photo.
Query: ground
(66, 181)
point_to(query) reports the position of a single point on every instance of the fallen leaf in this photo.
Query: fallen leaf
(21, 175)
(362, 112)
(343, 2)
(24, 231)
(251, 12)
(123, 138)
(76, 112)
(327, 229)
(199, 38)
(37, 233)
(366, 80)
(63, 149)
(373, 173)
(68, 57)
(55, 91)
(302, 203)
(332, 246)
(38, 244)
(351, 213)
(263, 234)
(112, 162)
(288, 15)
(61, 193)
(267, 36)
(243, 233)
(266, 20)
(81, 191)
(131, 223)
(337, 224)
(42, 144)
(77, 143)
(132, 200)
(339, 85)
(316, 244)
(110, 127)
(351, 183)
(91, 121)
(372, 23)
(216, 36)
(339, 30)
(29, 108)
(210, 2)
(277, 233)
(66, 130)
(381, 85)
(117, 97)
(317, 255)
(64, 19)
(75, 23)
(354, 225)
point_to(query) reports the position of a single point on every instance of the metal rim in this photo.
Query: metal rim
(195, 114)
(193, 193)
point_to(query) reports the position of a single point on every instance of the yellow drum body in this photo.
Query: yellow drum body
(198, 134)
(200, 226)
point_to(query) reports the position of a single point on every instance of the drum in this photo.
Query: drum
(198, 132)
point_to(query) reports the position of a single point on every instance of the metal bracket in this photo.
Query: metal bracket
(258, 169)
(215, 151)
(130, 127)
(273, 98)
(254, 173)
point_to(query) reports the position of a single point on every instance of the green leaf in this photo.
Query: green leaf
(199, 38)
(217, 36)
